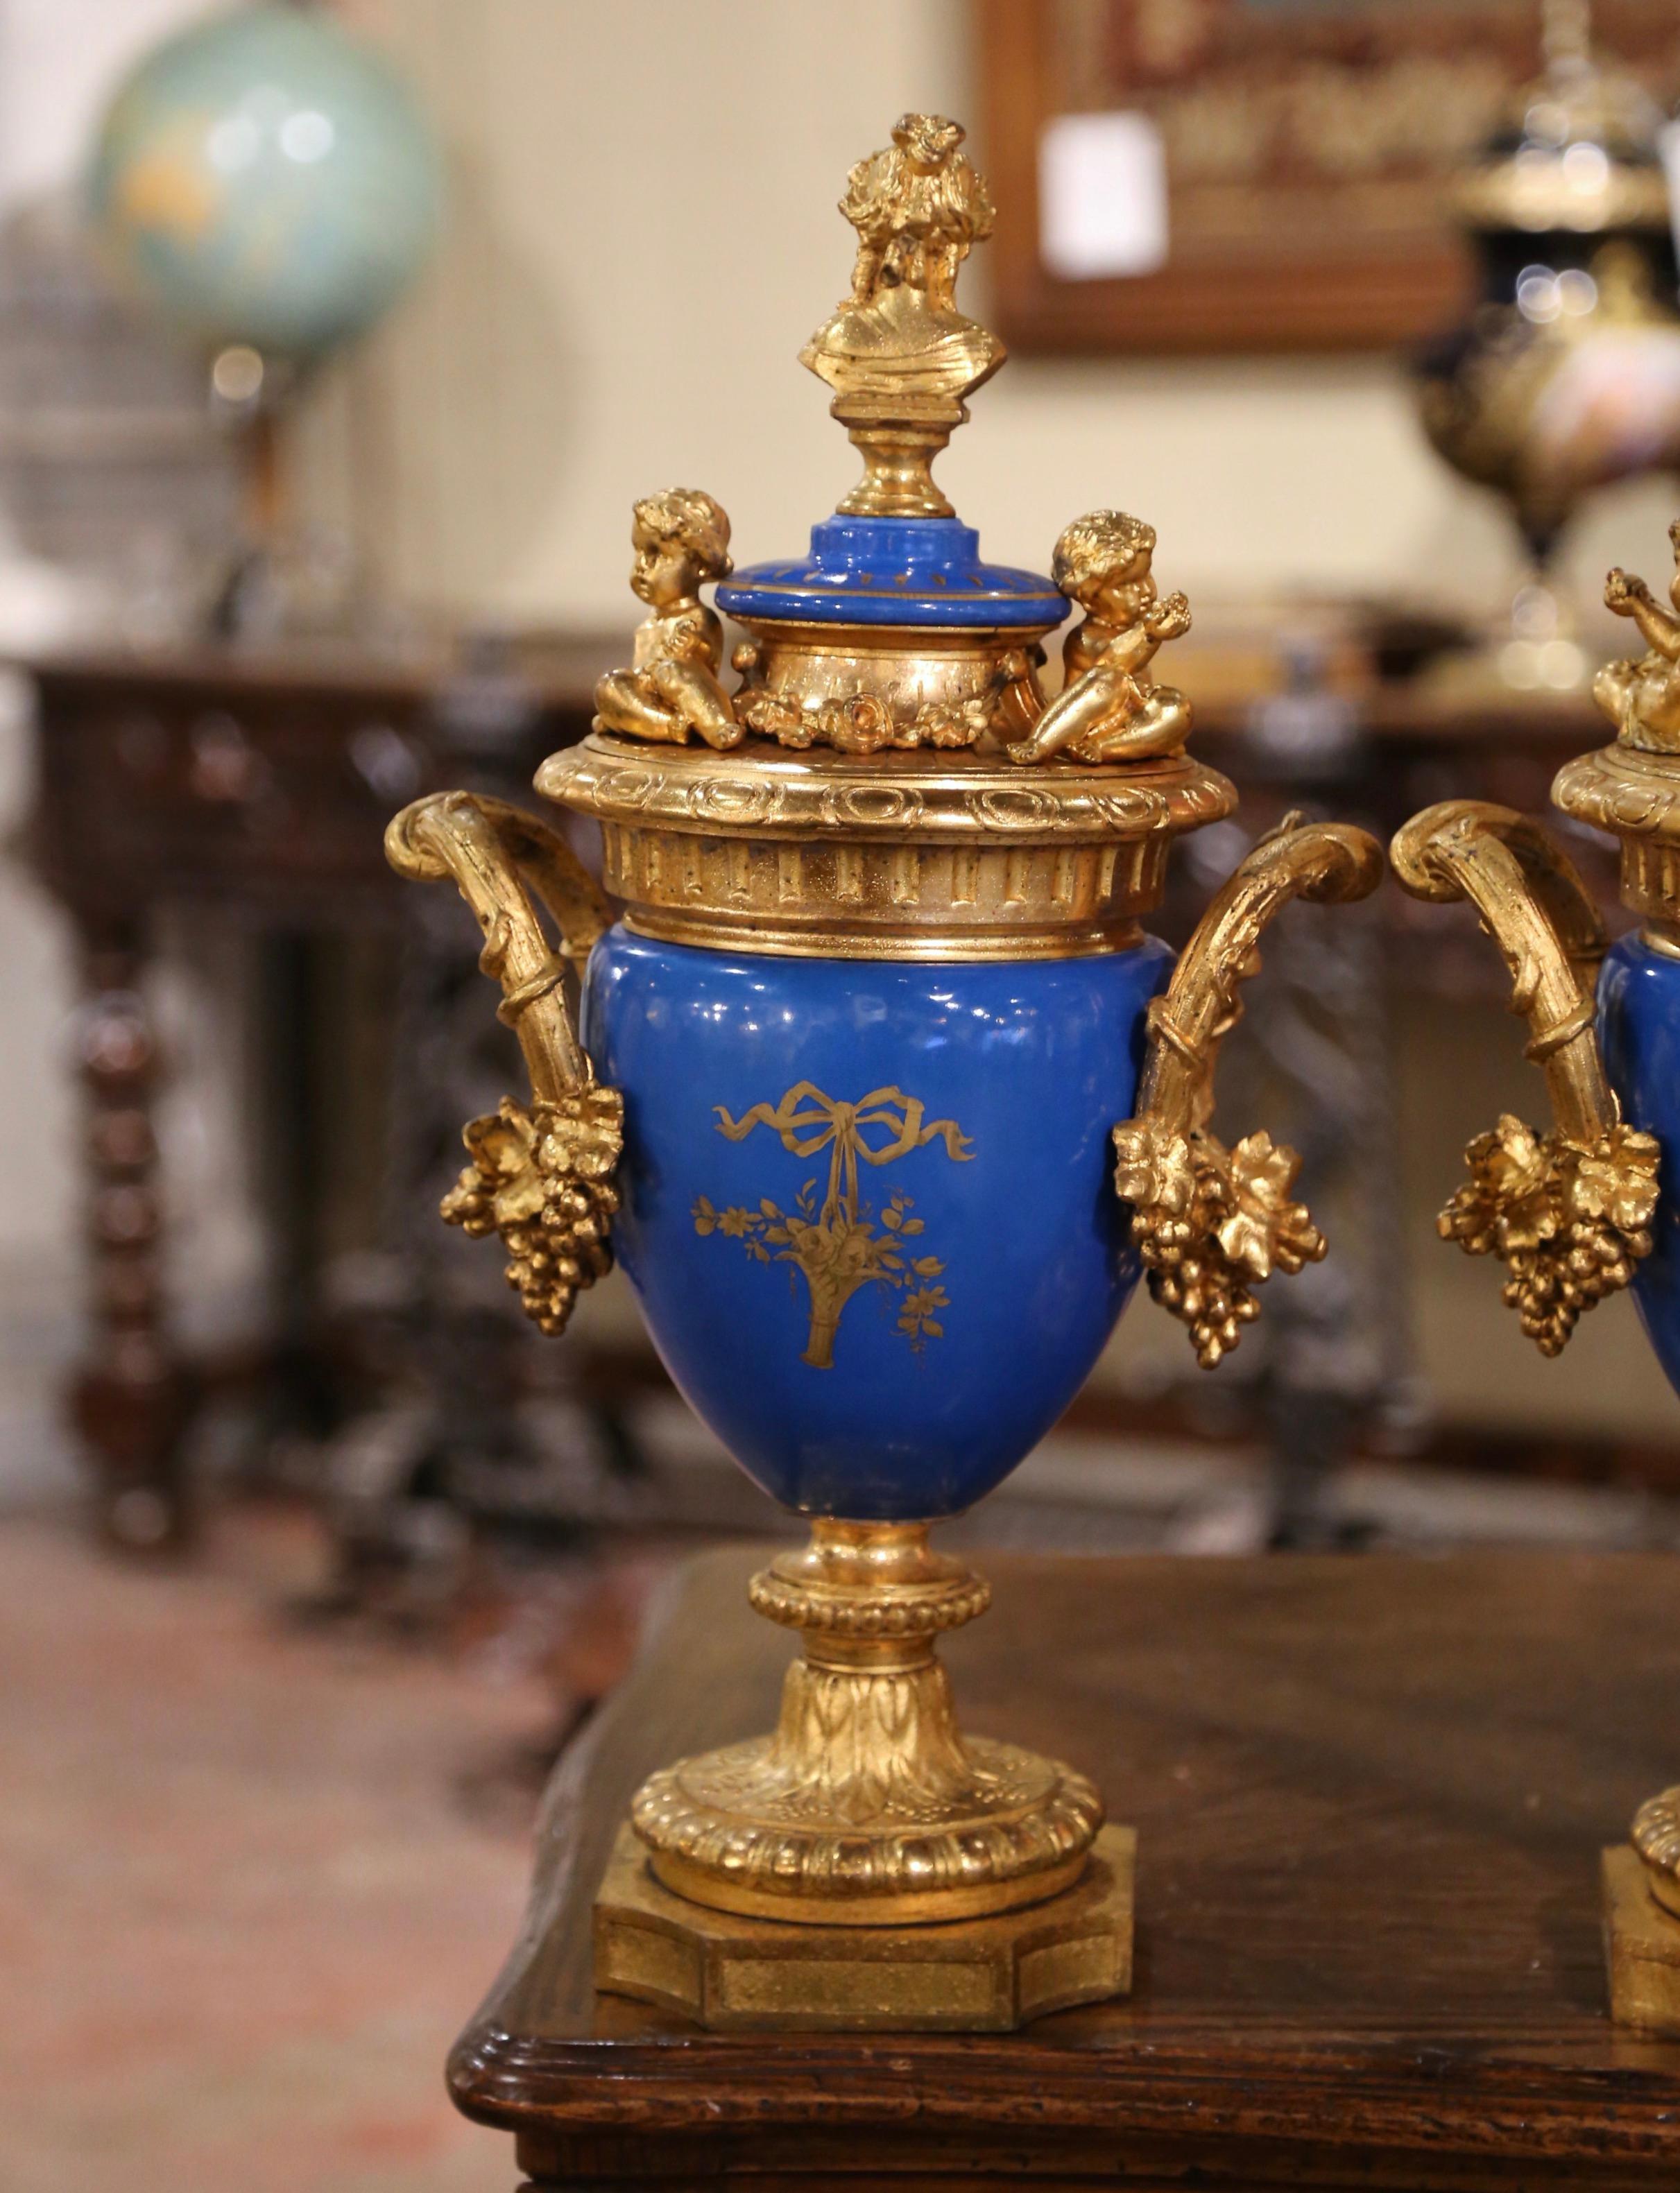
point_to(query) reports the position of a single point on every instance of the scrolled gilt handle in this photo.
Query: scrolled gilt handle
(1569, 1211)
(1209, 1223)
(541, 1177)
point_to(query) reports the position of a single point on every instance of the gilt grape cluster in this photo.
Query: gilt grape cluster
(542, 1179)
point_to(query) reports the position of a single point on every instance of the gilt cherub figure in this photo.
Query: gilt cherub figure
(1109, 708)
(1643, 698)
(673, 688)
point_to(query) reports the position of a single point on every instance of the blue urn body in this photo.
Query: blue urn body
(1639, 1030)
(874, 1007)
(868, 1206)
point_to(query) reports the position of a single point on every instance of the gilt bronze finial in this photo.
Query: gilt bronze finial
(898, 355)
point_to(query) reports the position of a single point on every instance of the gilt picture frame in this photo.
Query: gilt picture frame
(1307, 146)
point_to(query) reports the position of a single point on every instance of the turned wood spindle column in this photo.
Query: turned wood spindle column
(129, 1398)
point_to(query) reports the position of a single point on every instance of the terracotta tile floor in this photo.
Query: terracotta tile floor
(247, 1897)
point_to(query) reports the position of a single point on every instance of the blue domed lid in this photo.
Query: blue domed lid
(894, 571)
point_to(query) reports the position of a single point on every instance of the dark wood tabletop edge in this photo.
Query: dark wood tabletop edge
(1324, 2097)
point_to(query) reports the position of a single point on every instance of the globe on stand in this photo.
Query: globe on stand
(268, 186)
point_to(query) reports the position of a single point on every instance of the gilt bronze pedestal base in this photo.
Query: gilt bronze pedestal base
(1641, 1947)
(1642, 1918)
(865, 1867)
(865, 1806)
(732, 1973)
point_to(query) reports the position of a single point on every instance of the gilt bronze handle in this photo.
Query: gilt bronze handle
(1568, 1211)
(1209, 1223)
(541, 1177)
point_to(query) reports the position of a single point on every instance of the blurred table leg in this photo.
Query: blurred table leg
(130, 1394)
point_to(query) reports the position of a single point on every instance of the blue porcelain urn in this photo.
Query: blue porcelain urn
(863, 1066)
(1592, 1203)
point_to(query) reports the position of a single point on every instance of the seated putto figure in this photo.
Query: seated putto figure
(1110, 709)
(1641, 699)
(681, 539)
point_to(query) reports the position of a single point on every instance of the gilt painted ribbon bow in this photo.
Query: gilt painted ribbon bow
(808, 1121)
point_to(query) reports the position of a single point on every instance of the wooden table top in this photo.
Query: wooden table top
(1370, 1794)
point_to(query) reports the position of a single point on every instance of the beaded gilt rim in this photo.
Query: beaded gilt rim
(895, 795)
(919, 855)
(1624, 790)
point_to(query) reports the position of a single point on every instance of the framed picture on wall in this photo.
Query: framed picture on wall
(1252, 174)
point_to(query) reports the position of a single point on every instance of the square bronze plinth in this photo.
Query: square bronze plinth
(974, 1976)
(1641, 1947)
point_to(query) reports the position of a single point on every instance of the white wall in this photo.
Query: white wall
(57, 61)
(644, 234)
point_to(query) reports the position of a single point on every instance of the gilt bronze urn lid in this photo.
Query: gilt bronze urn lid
(876, 785)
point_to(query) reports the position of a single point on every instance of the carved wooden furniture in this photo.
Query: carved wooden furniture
(254, 788)
(1371, 1795)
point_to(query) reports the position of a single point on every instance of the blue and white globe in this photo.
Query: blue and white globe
(263, 178)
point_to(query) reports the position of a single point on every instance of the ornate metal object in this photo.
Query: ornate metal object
(865, 1805)
(1641, 697)
(898, 355)
(681, 539)
(1656, 1837)
(1568, 1211)
(1109, 708)
(1591, 1205)
(1566, 375)
(984, 1976)
(878, 997)
(1211, 1224)
(541, 1177)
